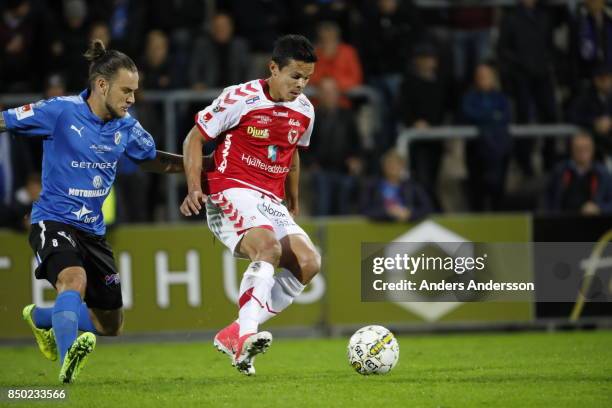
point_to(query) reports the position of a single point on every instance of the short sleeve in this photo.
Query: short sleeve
(140, 146)
(223, 114)
(305, 139)
(34, 119)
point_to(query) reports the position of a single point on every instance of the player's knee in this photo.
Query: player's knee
(72, 280)
(269, 250)
(112, 328)
(310, 265)
(111, 331)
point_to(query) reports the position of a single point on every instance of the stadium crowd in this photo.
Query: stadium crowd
(487, 66)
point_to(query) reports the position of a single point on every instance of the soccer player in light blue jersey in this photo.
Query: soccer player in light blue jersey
(83, 138)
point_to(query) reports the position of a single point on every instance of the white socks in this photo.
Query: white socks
(255, 290)
(286, 288)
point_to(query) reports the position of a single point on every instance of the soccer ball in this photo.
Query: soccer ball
(373, 350)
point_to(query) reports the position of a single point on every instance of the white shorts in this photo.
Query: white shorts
(232, 212)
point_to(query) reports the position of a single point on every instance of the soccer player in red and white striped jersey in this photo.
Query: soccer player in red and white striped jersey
(258, 127)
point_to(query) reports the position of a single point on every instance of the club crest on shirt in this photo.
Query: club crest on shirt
(293, 136)
(117, 138)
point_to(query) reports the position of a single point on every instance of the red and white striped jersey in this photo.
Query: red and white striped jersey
(256, 137)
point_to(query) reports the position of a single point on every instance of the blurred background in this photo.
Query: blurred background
(490, 118)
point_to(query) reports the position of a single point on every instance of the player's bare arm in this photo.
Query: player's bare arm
(2, 124)
(164, 162)
(192, 163)
(291, 185)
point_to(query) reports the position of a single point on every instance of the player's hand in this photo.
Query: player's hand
(192, 204)
(293, 206)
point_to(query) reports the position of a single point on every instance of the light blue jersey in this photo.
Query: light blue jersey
(80, 155)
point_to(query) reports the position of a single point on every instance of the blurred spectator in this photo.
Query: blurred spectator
(17, 36)
(422, 104)
(334, 155)
(395, 197)
(488, 156)
(174, 16)
(309, 13)
(100, 30)
(15, 168)
(70, 40)
(591, 37)
(526, 53)
(219, 59)
(261, 22)
(389, 29)
(55, 85)
(580, 184)
(126, 20)
(336, 59)
(592, 109)
(155, 67)
(387, 33)
(471, 39)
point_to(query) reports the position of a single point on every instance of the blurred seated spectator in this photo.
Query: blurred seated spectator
(591, 37)
(334, 155)
(155, 67)
(592, 109)
(422, 104)
(395, 196)
(487, 156)
(336, 59)
(219, 59)
(580, 184)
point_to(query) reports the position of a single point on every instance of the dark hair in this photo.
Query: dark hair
(293, 46)
(106, 63)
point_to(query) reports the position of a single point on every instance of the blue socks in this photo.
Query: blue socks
(42, 318)
(85, 323)
(65, 320)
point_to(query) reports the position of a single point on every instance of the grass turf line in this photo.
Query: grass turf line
(510, 370)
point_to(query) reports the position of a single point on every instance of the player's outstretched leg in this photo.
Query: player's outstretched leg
(76, 357)
(44, 336)
(250, 345)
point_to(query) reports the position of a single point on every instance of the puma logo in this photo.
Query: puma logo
(77, 130)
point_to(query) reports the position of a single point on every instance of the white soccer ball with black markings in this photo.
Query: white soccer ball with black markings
(373, 350)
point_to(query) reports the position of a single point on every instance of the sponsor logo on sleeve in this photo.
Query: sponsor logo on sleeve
(208, 116)
(24, 111)
(252, 100)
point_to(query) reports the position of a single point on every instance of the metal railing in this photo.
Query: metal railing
(409, 135)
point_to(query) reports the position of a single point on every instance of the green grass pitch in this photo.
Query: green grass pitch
(566, 369)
